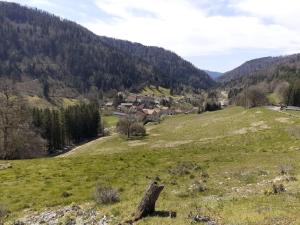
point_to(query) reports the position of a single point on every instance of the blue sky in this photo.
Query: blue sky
(213, 34)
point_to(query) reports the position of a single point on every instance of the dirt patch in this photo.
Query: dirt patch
(284, 120)
(171, 144)
(257, 124)
(136, 143)
(241, 131)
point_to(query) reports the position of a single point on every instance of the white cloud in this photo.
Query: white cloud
(284, 12)
(190, 31)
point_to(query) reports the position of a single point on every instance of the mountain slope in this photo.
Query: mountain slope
(49, 56)
(263, 69)
(214, 74)
(175, 70)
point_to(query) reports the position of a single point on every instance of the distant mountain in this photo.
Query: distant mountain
(213, 74)
(49, 56)
(263, 69)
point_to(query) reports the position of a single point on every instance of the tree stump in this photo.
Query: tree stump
(147, 204)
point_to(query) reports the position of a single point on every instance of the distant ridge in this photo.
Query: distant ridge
(213, 74)
(53, 57)
(263, 69)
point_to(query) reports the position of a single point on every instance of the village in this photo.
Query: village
(147, 108)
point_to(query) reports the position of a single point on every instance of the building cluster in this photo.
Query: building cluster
(143, 107)
(150, 108)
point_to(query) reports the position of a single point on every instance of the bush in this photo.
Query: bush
(137, 130)
(197, 186)
(278, 188)
(284, 169)
(129, 127)
(66, 194)
(212, 106)
(106, 195)
(3, 212)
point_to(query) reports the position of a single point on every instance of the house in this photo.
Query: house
(124, 107)
(109, 106)
(127, 105)
(151, 115)
(132, 98)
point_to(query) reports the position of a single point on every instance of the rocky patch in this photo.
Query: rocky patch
(69, 215)
(4, 166)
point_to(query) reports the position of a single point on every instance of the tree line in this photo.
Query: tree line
(31, 133)
(67, 126)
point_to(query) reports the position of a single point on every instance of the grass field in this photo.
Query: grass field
(110, 121)
(235, 154)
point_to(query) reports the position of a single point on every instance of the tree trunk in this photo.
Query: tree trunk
(147, 204)
(5, 142)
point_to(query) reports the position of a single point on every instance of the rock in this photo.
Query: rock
(68, 215)
(203, 219)
(4, 166)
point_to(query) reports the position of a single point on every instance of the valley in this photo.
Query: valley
(100, 130)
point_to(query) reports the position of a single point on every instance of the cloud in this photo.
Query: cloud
(283, 12)
(191, 29)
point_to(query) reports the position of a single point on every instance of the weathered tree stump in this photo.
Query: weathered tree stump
(147, 204)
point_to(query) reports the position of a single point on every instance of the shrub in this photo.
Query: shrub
(212, 106)
(130, 127)
(137, 130)
(106, 195)
(197, 186)
(278, 188)
(66, 194)
(3, 212)
(284, 169)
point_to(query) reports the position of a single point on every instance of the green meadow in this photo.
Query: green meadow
(234, 156)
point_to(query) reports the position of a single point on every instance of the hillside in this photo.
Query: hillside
(263, 69)
(51, 57)
(175, 70)
(235, 154)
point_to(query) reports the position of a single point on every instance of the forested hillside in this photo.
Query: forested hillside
(175, 71)
(49, 56)
(263, 69)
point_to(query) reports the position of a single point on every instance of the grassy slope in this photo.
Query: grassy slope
(110, 121)
(153, 91)
(241, 151)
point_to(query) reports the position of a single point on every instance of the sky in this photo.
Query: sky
(216, 35)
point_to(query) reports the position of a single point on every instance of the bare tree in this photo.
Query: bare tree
(253, 96)
(129, 126)
(17, 137)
